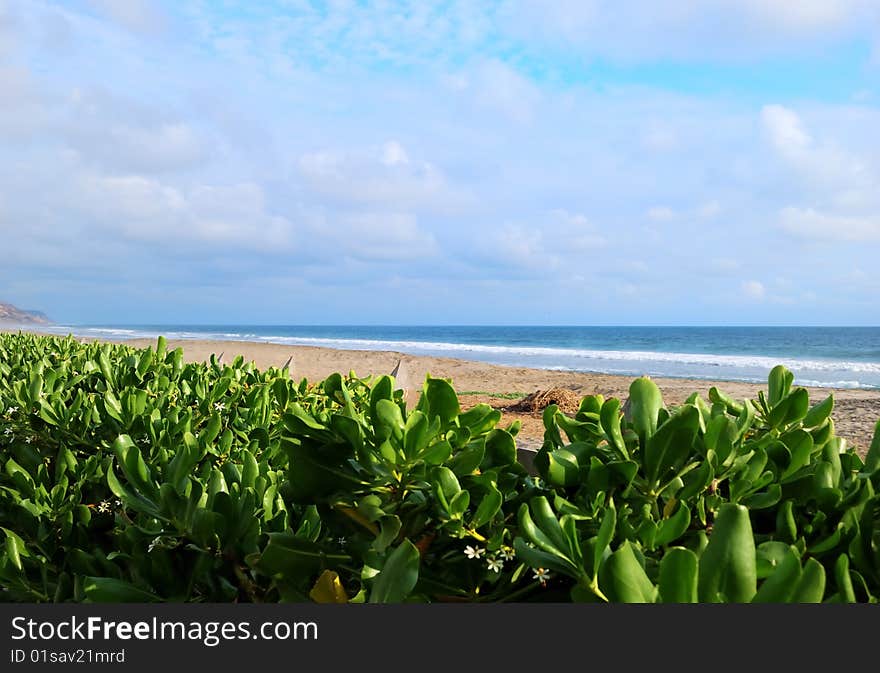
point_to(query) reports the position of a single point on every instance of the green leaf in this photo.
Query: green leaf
(294, 559)
(671, 444)
(623, 579)
(811, 585)
(537, 536)
(538, 558)
(610, 418)
(845, 591)
(604, 537)
(818, 413)
(15, 548)
(800, 444)
(111, 590)
(489, 506)
(645, 403)
(468, 460)
(416, 434)
(390, 418)
(727, 566)
(438, 453)
(678, 576)
(779, 380)
(398, 576)
(441, 399)
(782, 582)
(674, 527)
(872, 460)
(389, 529)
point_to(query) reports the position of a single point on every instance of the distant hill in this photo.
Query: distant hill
(14, 315)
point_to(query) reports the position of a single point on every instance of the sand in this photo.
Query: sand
(855, 412)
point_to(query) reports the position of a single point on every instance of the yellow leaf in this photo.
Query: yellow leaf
(328, 589)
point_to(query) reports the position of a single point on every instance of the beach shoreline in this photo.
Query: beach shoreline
(501, 386)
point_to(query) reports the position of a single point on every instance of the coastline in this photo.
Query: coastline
(855, 414)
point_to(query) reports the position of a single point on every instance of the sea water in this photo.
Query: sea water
(842, 357)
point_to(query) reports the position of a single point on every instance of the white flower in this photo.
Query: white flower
(104, 507)
(474, 552)
(11, 410)
(118, 503)
(7, 431)
(340, 540)
(219, 406)
(154, 544)
(507, 554)
(541, 574)
(495, 564)
(28, 440)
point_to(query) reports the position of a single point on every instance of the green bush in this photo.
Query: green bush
(129, 475)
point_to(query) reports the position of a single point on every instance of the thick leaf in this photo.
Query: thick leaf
(442, 400)
(489, 506)
(678, 576)
(779, 381)
(623, 579)
(727, 566)
(328, 589)
(811, 585)
(645, 402)
(111, 590)
(398, 576)
(780, 586)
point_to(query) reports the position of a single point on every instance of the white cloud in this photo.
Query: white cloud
(139, 16)
(753, 289)
(572, 233)
(501, 88)
(146, 209)
(163, 146)
(387, 176)
(394, 154)
(661, 139)
(809, 223)
(709, 209)
(380, 236)
(726, 264)
(661, 214)
(631, 30)
(523, 246)
(785, 129)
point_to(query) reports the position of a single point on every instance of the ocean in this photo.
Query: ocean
(842, 357)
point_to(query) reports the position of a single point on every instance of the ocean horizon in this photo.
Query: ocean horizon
(839, 357)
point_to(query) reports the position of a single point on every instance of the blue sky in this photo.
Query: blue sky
(575, 162)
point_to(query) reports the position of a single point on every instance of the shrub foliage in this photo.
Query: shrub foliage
(129, 475)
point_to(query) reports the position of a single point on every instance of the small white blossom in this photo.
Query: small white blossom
(11, 410)
(219, 406)
(104, 507)
(474, 552)
(7, 431)
(541, 574)
(495, 564)
(28, 440)
(506, 553)
(154, 544)
(118, 503)
(340, 540)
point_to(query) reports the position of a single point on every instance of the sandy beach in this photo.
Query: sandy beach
(855, 411)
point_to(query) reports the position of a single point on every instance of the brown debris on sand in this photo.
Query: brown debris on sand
(567, 400)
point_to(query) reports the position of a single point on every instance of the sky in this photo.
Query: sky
(582, 162)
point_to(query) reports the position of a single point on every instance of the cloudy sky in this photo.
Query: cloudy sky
(589, 162)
